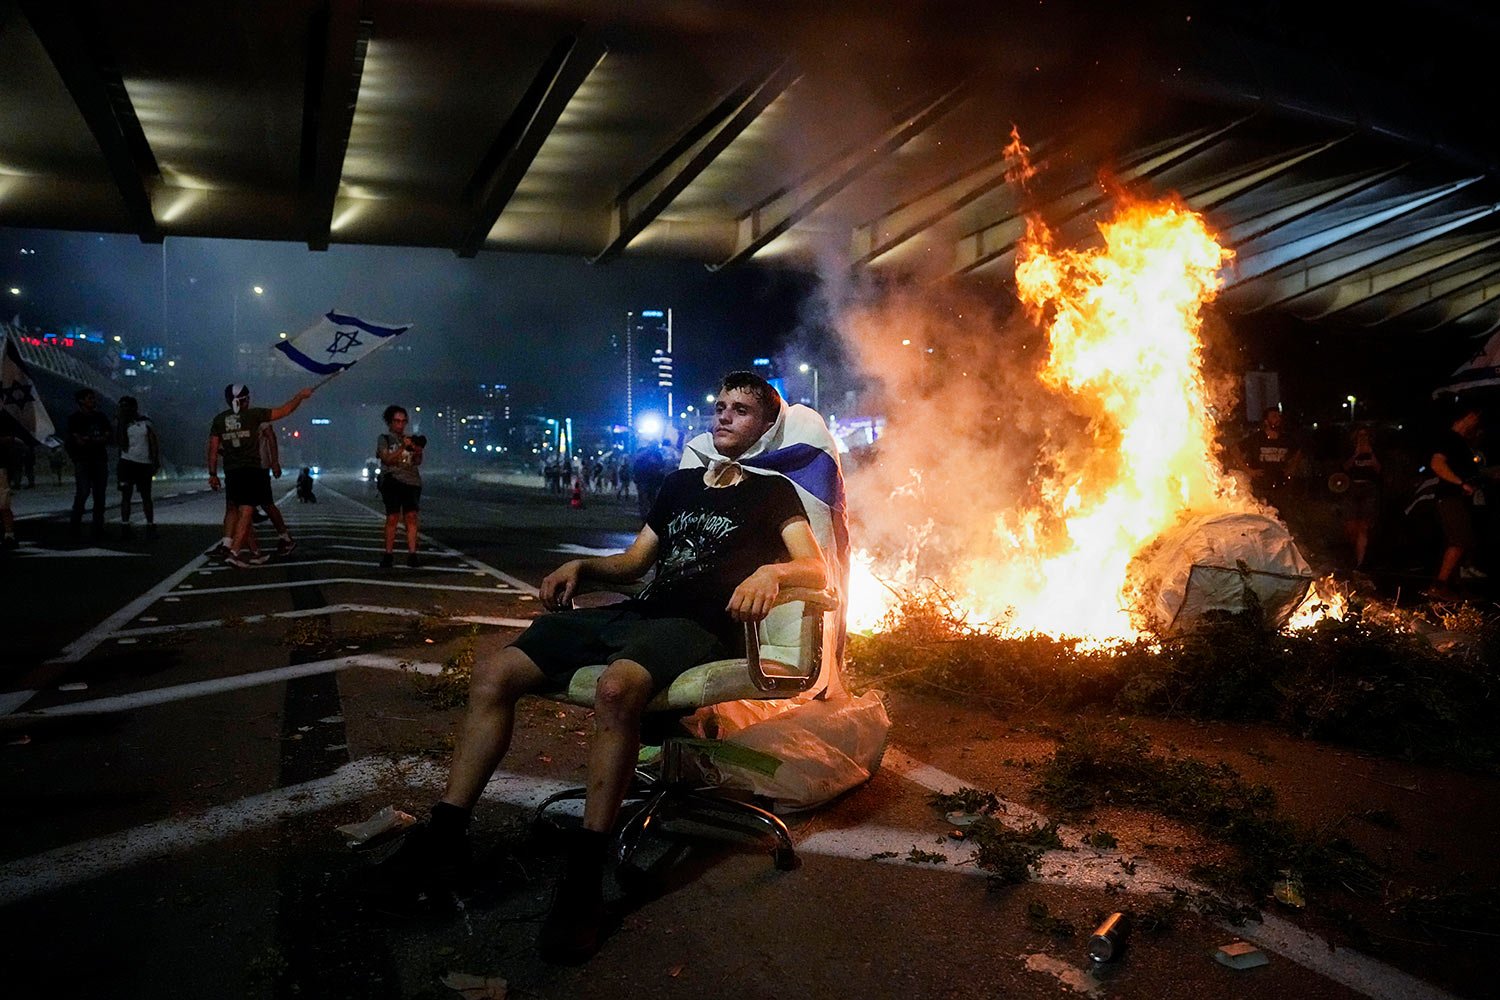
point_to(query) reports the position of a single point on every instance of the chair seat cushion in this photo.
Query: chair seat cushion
(706, 684)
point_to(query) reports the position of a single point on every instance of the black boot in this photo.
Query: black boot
(574, 926)
(429, 865)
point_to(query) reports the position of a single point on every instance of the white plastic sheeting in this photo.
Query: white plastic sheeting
(1216, 562)
(824, 746)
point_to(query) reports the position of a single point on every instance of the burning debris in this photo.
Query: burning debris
(1105, 511)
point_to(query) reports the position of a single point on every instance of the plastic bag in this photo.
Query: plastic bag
(824, 748)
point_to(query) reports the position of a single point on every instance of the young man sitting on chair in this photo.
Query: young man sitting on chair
(724, 543)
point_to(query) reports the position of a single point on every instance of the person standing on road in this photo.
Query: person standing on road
(11, 437)
(235, 434)
(270, 458)
(88, 440)
(400, 483)
(1452, 462)
(140, 457)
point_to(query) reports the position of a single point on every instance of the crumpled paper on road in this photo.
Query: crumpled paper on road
(477, 987)
(384, 822)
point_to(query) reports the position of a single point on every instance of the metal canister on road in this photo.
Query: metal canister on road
(1107, 940)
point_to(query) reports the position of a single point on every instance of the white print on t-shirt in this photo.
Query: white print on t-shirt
(693, 537)
(235, 436)
(1271, 454)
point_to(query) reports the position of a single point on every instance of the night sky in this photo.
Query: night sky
(539, 323)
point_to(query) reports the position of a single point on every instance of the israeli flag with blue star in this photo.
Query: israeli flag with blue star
(336, 342)
(19, 401)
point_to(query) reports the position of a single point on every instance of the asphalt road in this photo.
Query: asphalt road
(180, 741)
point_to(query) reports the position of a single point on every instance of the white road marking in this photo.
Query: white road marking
(12, 700)
(32, 551)
(327, 609)
(85, 644)
(519, 584)
(76, 863)
(288, 585)
(439, 554)
(276, 564)
(1082, 866)
(235, 682)
(568, 548)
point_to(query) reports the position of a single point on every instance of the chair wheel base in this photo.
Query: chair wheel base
(786, 859)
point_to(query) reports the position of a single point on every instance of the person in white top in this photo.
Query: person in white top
(140, 457)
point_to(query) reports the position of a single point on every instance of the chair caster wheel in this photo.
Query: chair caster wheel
(633, 881)
(786, 859)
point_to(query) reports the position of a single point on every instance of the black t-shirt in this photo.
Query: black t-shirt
(88, 436)
(1452, 446)
(1271, 456)
(710, 541)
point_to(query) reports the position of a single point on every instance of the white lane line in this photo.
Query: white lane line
(440, 553)
(288, 585)
(76, 863)
(84, 644)
(519, 584)
(343, 562)
(12, 700)
(1084, 866)
(235, 682)
(327, 609)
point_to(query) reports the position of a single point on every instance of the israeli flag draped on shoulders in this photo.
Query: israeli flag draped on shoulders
(336, 342)
(799, 448)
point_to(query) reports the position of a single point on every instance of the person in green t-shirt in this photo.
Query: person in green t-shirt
(235, 434)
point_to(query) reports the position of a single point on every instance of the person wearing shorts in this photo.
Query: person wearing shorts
(140, 457)
(1452, 462)
(723, 543)
(400, 458)
(235, 434)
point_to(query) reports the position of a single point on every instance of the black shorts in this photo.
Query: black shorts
(247, 487)
(1458, 522)
(135, 474)
(400, 497)
(565, 641)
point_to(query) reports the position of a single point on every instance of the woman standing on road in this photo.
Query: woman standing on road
(400, 482)
(140, 457)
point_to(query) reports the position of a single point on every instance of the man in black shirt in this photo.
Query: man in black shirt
(89, 434)
(1452, 462)
(1271, 457)
(724, 542)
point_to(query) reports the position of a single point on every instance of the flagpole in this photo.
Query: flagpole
(330, 378)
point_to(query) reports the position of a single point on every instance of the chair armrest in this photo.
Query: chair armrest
(815, 605)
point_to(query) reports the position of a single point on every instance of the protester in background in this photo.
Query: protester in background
(58, 459)
(1452, 463)
(28, 463)
(270, 458)
(88, 440)
(235, 433)
(400, 483)
(305, 486)
(1362, 501)
(12, 435)
(649, 470)
(1271, 457)
(140, 457)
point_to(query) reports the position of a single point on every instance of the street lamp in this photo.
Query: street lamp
(1352, 401)
(258, 290)
(804, 368)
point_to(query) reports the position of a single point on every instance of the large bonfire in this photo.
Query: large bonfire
(1124, 357)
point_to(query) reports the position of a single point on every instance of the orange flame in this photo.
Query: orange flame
(1122, 323)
